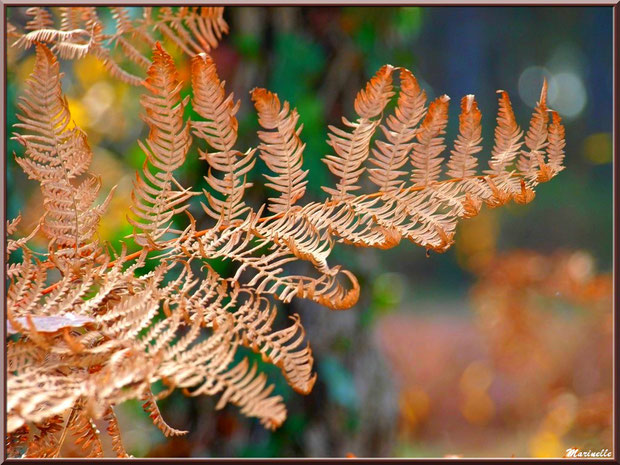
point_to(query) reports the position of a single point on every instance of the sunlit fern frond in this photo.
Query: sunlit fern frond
(390, 156)
(92, 333)
(80, 33)
(281, 149)
(57, 155)
(193, 29)
(74, 36)
(352, 148)
(462, 162)
(218, 127)
(157, 195)
(535, 139)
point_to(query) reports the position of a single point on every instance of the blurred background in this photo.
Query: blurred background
(500, 347)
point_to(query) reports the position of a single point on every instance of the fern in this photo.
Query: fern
(157, 196)
(56, 155)
(94, 329)
(352, 148)
(218, 127)
(282, 149)
(193, 29)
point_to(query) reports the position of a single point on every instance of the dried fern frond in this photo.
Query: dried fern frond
(41, 18)
(76, 17)
(86, 434)
(157, 196)
(45, 442)
(507, 137)
(51, 35)
(352, 148)
(535, 139)
(401, 128)
(282, 348)
(218, 128)
(555, 147)
(99, 329)
(425, 154)
(281, 150)
(150, 407)
(57, 154)
(192, 29)
(115, 433)
(462, 163)
(16, 442)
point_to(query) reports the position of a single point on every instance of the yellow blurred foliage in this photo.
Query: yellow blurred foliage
(476, 377)
(597, 148)
(89, 70)
(79, 114)
(478, 408)
(24, 69)
(114, 219)
(478, 240)
(414, 407)
(546, 444)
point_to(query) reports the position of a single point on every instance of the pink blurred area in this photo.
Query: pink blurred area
(527, 373)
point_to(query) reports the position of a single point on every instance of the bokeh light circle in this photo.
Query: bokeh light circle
(571, 97)
(530, 84)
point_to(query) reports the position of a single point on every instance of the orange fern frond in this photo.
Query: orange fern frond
(352, 148)
(11, 225)
(462, 162)
(281, 150)
(218, 128)
(254, 320)
(77, 17)
(115, 433)
(555, 148)
(157, 196)
(507, 137)
(16, 441)
(45, 442)
(85, 432)
(56, 155)
(100, 328)
(193, 29)
(206, 26)
(535, 138)
(401, 128)
(41, 18)
(425, 154)
(150, 407)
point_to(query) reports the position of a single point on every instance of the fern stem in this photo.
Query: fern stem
(264, 219)
(64, 431)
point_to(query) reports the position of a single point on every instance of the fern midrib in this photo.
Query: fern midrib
(282, 136)
(400, 135)
(276, 216)
(48, 103)
(345, 180)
